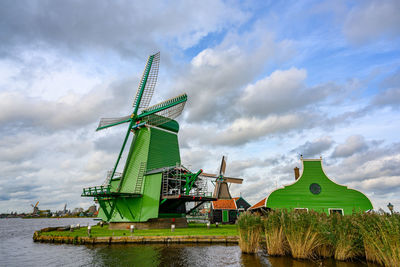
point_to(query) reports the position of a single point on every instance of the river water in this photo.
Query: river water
(18, 249)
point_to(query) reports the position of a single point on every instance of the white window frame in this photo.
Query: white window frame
(301, 209)
(330, 209)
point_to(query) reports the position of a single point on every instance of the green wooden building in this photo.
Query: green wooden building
(313, 190)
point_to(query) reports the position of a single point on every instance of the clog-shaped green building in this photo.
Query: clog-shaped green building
(313, 190)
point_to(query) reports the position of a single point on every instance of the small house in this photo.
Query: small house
(241, 204)
(223, 211)
(259, 207)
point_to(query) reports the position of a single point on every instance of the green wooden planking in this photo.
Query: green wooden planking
(151, 145)
(171, 126)
(137, 154)
(104, 207)
(114, 185)
(151, 197)
(164, 149)
(134, 209)
(327, 194)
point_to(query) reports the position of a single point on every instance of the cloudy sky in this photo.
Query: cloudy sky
(267, 82)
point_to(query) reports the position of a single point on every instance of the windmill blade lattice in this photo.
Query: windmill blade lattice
(168, 110)
(150, 82)
(223, 166)
(108, 122)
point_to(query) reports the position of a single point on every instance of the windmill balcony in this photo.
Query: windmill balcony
(96, 191)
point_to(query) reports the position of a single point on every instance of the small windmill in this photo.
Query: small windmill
(153, 185)
(35, 208)
(221, 190)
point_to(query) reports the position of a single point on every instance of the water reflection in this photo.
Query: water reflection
(196, 255)
(165, 255)
(290, 262)
(18, 249)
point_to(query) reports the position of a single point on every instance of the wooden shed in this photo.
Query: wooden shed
(223, 211)
(241, 204)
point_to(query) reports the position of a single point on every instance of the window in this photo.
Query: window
(333, 211)
(315, 188)
(301, 210)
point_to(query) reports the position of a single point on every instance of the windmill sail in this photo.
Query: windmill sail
(221, 190)
(223, 166)
(164, 111)
(149, 80)
(226, 179)
(233, 180)
(108, 122)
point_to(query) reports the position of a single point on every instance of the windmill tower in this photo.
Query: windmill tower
(65, 209)
(153, 185)
(221, 190)
(35, 209)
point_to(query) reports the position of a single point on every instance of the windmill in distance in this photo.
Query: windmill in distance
(35, 209)
(221, 190)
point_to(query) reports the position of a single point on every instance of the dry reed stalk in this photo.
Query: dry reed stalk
(370, 254)
(276, 242)
(348, 239)
(345, 251)
(325, 251)
(381, 236)
(249, 232)
(383, 250)
(304, 244)
(249, 240)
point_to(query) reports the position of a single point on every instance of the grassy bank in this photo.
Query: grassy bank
(191, 230)
(372, 237)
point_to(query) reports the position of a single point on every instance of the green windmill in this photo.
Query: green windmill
(153, 186)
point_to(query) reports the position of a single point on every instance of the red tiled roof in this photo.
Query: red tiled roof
(259, 204)
(224, 204)
(236, 198)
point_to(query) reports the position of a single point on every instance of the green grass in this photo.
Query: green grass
(192, 230)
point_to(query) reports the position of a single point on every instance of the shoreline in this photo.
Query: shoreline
(77, 240)
(195, 233)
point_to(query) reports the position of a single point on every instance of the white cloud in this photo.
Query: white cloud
(216, 76)
(390, 97)
(282, 91)
(244, 130)
(128, 28)
(353, 144)
(372, 20)
(315, 147)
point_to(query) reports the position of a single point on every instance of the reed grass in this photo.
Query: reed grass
(250, 229)
(371, 236)
(381, 237)
(275, 238)
(302, 234)
(324, 228)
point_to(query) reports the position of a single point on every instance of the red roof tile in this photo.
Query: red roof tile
(259, 204)
(224, 204)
